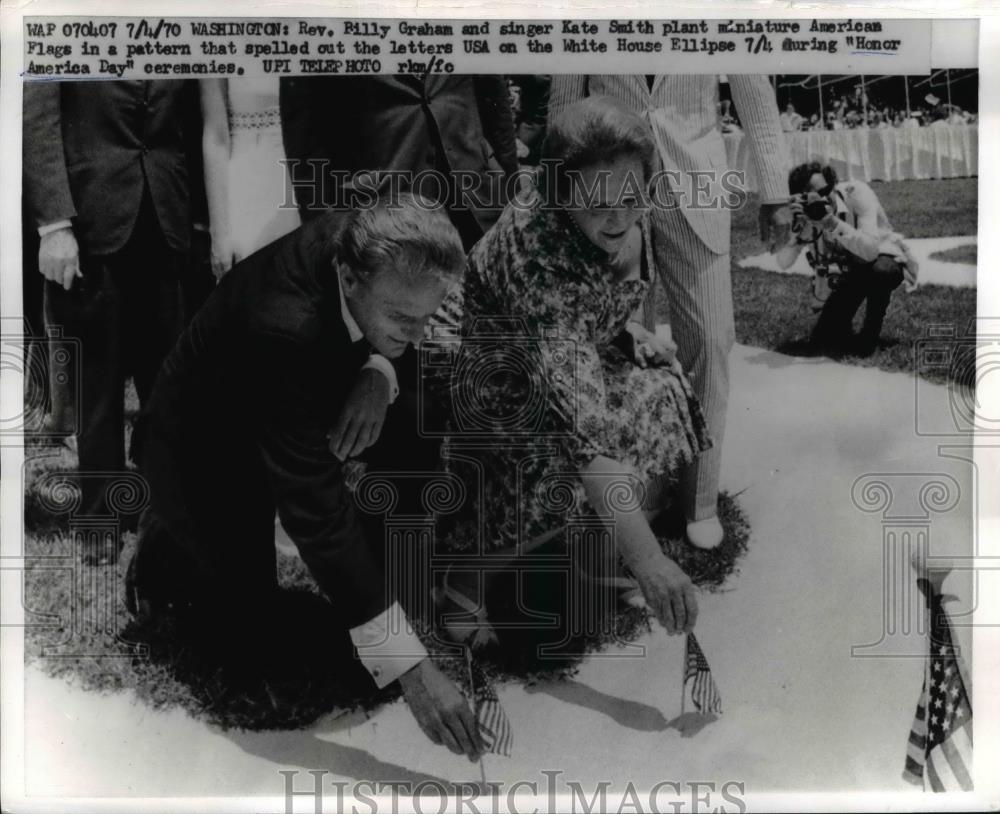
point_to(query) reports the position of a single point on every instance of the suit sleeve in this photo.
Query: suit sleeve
(497, 118)
(758, 111)
(46, 180)
(308, 482)
(566, 89)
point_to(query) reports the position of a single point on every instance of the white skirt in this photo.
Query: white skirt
(261, 199)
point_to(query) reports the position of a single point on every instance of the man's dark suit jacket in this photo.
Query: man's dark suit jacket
(400, 122)
(262, 371)
(91, 148)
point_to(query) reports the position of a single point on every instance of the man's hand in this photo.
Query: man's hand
(441, 710)
(650, 349)
(669, 593)
(59, 257)
(775, 222)
(360, 421)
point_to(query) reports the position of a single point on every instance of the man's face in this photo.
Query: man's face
(392, 307)
(818, 184)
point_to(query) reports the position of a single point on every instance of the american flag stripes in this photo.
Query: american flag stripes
(939, 751)
(704, 693)
(494, 725)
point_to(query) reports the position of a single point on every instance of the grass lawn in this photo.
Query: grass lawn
(772, 311)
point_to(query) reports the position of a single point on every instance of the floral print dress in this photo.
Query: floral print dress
(539, 376)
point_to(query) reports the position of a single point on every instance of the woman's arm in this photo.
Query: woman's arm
(668, 591)
(215, 149)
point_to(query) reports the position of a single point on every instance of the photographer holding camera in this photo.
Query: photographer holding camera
(852, 249)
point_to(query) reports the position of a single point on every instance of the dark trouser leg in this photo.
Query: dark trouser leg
(91, 312)
(833, 328)
(126, 313)
(217, 566)
(885, 277)
(210, 557)
(149, 276)
(197, 281)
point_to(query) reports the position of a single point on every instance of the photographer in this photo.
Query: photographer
(853, 250)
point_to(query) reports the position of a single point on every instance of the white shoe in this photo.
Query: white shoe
(705, 533)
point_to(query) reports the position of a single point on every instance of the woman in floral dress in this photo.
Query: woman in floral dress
(563, 409)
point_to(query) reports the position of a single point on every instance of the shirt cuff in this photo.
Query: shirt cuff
(384, 366)
(387, 645)
(54, 227)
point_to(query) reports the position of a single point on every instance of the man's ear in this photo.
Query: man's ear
(349, 279)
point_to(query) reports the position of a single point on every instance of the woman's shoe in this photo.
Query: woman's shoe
(705, 534)
(477, 633)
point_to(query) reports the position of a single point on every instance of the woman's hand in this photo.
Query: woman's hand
(669, 593)
(650, 349)
(222, 254)
(360, 422)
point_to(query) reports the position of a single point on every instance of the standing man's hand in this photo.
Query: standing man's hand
(360, 421)
(441, 710)
(775, 222)
(59, 257)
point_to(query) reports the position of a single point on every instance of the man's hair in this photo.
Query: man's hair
(408, 233)
(596, 130)
(798, 178)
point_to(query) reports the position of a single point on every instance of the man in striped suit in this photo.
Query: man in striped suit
(691, 241)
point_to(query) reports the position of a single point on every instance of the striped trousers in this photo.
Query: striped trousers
(698, 286)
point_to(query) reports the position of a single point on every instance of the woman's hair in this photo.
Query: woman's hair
(406, 232)
(798, 178)
(595, 130)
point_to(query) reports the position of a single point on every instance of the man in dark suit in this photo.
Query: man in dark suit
(238, 426)
(106, 185)
(460, 127)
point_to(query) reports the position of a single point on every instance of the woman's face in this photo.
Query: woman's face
(607, 200)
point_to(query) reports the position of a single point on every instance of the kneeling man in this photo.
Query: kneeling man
(294, 343)
(854, 253)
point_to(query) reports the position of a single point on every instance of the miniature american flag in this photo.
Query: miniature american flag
(494, 726)
(939, 751)
(704, 693)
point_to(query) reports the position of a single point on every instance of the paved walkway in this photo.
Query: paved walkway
(800, 712)
(932, 271)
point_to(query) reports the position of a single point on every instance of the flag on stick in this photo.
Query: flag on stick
(494, 726)
(939, 751)
(704, 693)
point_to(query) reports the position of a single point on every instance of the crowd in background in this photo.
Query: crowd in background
(846, 110)
(855, 111)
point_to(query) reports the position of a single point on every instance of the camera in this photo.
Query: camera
(818, 209)
(961, 360)
(814, 206)
(495, 381)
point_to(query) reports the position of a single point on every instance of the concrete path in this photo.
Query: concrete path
(800, 712)
(936, 272)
